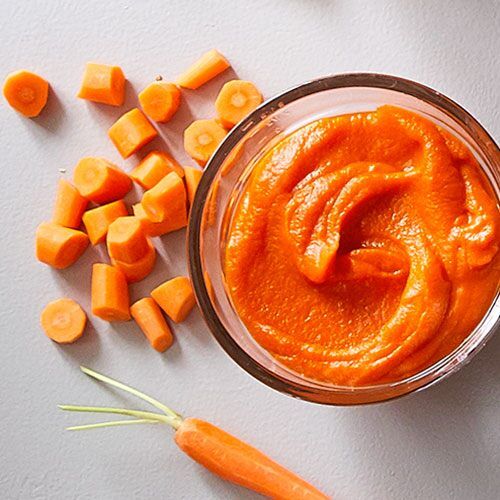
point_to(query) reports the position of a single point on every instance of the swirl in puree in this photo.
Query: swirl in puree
(364, 247)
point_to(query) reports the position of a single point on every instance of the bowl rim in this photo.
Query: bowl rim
(439, 370)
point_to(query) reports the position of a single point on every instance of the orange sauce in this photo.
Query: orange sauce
(364, 247)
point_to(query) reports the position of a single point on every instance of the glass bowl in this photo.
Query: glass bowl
(225, 176)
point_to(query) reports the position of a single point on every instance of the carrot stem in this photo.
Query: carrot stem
(113, 423)
(165, 419)
(107, 380)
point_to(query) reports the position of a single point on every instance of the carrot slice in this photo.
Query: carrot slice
(98, 220)
(202, 138)
(59, 246)
(175, 297)
(100, 181)
(208, 66)
(153, 168)
(69, 205)
(103, 83)
(126, 240)
(110, 298)
(173, 223)
(148, 316)
(160, 101)
(139, 269)
(63, 321)
(166, 200)
(235, 101)
(238, 462)
(192, 178)
(26, 92)
(131, 131)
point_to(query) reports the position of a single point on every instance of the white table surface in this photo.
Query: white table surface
(438, 444)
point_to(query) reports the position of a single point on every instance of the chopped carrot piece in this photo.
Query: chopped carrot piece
(192, 178)
(173, 223)
(208, 66)
(126, 240)
(103, 83)
(153, 168)
(131, 131)
(202, 138)
(166, 200)
(175, 297)
(69, 205)
(98, 220)
(160, 101)
(235, 101)
(100, 181)
(110, 298)
(63, 321)
(148, 316)
(139, 269)
(26, 92)
(59, 246)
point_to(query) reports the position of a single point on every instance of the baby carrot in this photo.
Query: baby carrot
(69, 205)
(131, 131)
(218, 451)
(103, 83)
(100, 181)
(63, 321)
(166, 200)
(139, 269)
(26, 92)
(192, 177)
(97, 220)
(202, 138)
(148, 316)
(173, 223)
(160, 100)
(235, 101)
(59, 246)
(175, 297)
(126, 240)
(153, 168)
(208, 66)
(110, 298)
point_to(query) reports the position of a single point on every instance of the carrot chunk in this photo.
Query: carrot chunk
(235, 101)
(110, 298)
(208, 66)
(173, 223)
(160, 101)
(26, 92)
(139, 269)
(153, 168)
(103, 83)
(131, 131)
(202, 138)
(166, 200)
(59, 246)
(192, 178)
(98, 220)
(100, 181)
(69, 205)
(148, 316)
(126, 240)
(63, 321)
(175, 297)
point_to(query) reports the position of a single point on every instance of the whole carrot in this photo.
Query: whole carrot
(210, 446)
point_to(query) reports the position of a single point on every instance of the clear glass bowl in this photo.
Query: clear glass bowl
(222, 183)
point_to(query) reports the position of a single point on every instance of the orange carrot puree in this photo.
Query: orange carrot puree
(364, 247)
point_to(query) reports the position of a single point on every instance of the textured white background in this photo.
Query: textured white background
(442, 443)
